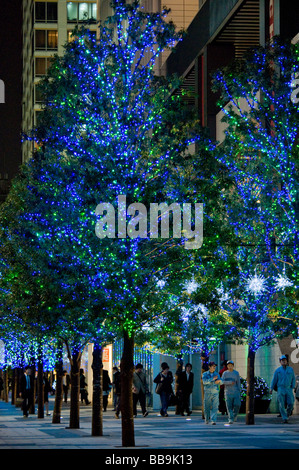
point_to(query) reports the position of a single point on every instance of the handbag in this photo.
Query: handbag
(159, 388)
(173, 400)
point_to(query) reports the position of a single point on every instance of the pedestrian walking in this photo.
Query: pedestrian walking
(115, 371)
(27, 391)
(284, 383)
(211, 381)
(106, 388)
(83, 390)
(47, 390)
(222, 404)
(232, 391)
(140, 389)
(185, 383)
(164, 387)
(65, 385)
(117, 390)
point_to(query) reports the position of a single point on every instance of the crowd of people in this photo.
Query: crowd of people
(222, 390)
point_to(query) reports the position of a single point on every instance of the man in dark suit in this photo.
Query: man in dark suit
(185, 382)
(26, 391)
(106, 388)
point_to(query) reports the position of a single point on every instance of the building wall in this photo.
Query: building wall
(33, 52)
(11, 92)
(182, 13)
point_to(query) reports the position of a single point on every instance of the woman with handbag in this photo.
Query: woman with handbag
(164, 387)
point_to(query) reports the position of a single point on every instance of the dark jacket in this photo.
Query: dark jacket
(83, 384)
(167, 381)
(106, 381)
(23, 385)
(186, 386)
(116, 382)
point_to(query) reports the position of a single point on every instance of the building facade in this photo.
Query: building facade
(47, 26)
(10, 93)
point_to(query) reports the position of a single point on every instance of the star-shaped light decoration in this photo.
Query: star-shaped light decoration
(224, 296)
(256, 284)
(282, 282)
(186, 315)
(191, 286)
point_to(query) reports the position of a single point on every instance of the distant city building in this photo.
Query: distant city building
(10, 92)
(47, 26)
(220, 32)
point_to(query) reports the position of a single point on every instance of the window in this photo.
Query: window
(46, 39)
(52, 39)
(38, 95)
(52, 12)
(46, 12)
(37, 115)
(41, 65)
(81, 11)
(72, 11)
(40, 11)
(40, 39)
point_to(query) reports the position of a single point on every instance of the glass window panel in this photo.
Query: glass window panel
(40, 66)
(83, 11)
(40, 11)
(52, 39)
(52, 11)
(72, 14)
(38, 95)
(40, 39)
(93, 11)
(37, 118)
(49, 63)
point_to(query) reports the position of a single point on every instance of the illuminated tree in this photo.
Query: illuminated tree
(42, 299)
(112, 137)
(260, 152)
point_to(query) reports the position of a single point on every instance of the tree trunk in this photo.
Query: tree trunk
(18, 378)
(2, 392)
(75, 390)
(126, 397)
(250, 387)
(40, 389)
(13, 386)
(5, 385)
(58, 392)
(178, 371)
(97, 393)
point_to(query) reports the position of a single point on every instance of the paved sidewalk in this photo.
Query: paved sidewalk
(152, 432)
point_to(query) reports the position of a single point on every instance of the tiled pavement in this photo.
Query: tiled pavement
(153, 432)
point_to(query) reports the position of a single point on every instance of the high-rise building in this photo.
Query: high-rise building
(10, 92)
(47, 26)
(220, 32)
(182, 12)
